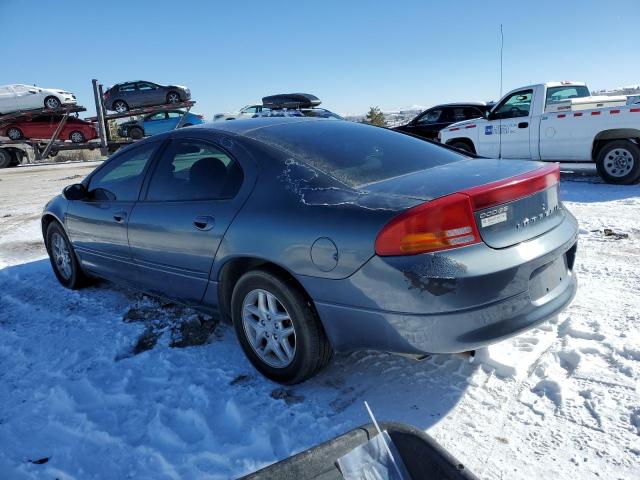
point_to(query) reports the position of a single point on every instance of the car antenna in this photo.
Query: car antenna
(384, 440)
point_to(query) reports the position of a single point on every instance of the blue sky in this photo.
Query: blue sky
(350, 54)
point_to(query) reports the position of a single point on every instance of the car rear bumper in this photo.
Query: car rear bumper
(456, 301)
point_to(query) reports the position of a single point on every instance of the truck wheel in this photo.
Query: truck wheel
(460, 145)
(619, 162)
(5, 158)
(278, 328)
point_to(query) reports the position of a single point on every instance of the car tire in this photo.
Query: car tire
(120, 106)
(14, 133)
(303, 352)
(52, 103)
(618, 162)
(173, 97)
(464, 146)
(63, 258)
(77, 137)
(136, 133)
(5, 158)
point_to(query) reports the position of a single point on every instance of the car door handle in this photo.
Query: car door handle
(523, 124)
(120, 217)
(204, 222)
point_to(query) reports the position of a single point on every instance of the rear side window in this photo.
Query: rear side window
(194, 170)
(471, 112)
(127, 87)
(353, 153)
(566, 92)
(121, 178)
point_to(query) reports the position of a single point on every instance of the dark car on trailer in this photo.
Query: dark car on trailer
(315, 235)
(431, 121)
(122, 97)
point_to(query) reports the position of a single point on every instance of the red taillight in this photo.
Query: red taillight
(441, 224)
(201, 117)
(485, 196)
(449, 222)
(106, 95)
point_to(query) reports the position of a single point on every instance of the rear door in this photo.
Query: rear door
(187, 204)
(509, 124)
(97, 225)
(7, 99)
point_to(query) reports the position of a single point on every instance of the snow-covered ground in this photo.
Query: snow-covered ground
(107, 383)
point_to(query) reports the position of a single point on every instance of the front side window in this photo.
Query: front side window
(514, 106)
(249, 110)
(175, 114)
(121, 178)
(156, 116)
(432, 116)
(146, 86)
(194, 170)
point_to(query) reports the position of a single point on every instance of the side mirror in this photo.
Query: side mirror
(77, 191)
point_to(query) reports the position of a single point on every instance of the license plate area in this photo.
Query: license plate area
(546, 278)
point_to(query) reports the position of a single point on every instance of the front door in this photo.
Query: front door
(97, 225)
(149, 94)
(509, 124)
(184, 211)
(156, 123)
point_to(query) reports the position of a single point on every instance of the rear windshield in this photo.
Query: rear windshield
(354, 153)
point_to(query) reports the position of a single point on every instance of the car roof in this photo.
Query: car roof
(462, 104)
(240, 127)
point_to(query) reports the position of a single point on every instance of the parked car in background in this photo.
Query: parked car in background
(122, 97)
(159, 122)
(43, 127)
(16, 97)
(431, 121)
(283, 105)
(557, 122)
(377, 240)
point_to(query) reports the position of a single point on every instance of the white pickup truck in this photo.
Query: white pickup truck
(557, 121)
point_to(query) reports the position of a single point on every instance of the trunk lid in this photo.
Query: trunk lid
(512, 200)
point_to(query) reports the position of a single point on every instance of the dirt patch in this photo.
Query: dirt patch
(186, 327)
(289, 397)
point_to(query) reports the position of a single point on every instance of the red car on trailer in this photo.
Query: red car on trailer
(76, 130)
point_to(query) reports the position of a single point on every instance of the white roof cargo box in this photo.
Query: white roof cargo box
(586, 103)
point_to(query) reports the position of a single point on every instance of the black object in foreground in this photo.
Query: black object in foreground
(423, 457)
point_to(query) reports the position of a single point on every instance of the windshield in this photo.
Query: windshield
(354, 153)
(566, 92)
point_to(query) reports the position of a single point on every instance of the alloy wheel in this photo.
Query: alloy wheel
(77, 137)
(14, 134)
(268, 328)
(61, 256)
(173, 98)
(52, 102)
(120, 107)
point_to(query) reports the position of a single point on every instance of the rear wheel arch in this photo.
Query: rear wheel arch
(462, 141)
(236, 267)
(606, 136)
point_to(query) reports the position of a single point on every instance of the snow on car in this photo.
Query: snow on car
(557, 121)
